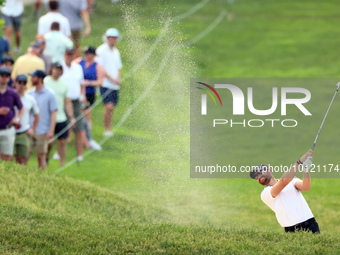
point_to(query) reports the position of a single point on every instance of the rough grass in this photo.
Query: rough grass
(136, 196)
(47, 214)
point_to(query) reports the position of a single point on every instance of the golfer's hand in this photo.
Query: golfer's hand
(307, 154)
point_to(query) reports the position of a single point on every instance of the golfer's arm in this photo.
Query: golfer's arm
(305, 184)
(286, 178)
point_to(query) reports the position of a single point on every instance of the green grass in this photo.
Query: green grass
(136, 195)
(48, 214)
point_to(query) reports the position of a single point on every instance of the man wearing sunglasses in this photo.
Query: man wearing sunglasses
(284, 196)
(26, 130)
(9, 99)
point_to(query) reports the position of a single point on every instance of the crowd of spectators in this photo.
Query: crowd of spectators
(47, 94)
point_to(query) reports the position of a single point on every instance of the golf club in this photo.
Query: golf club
(316, 138)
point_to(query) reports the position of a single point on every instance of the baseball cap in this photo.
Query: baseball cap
(21, 77)
(113, 32)
(57, 65)
(90, 50)
(6, 59)
(70, 49)
(260, 168)
(5, 70)
(35, 45)
(38, 73)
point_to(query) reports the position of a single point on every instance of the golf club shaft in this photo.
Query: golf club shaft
(323, 121)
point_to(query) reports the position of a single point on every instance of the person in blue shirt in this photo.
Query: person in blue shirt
(4, 48)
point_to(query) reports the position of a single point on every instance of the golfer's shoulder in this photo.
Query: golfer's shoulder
(266, 195)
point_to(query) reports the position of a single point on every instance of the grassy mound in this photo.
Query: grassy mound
(44, 213)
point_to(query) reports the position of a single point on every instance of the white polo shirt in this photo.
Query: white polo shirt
(74, 78)
(30, 107)
(44, 24)
(112, 63)
(13, 8)
(290, 206)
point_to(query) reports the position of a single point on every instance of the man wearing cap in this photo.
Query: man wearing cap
(284, 196)
(47, 104)
(9, 99)
(109, 57)
(28, 63)
(74, 77)
(40, 39)
(8, 62)
(21, 145)
(59, 87)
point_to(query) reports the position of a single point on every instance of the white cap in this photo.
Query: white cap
(113, 32)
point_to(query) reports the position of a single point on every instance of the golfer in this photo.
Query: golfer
(284, 196)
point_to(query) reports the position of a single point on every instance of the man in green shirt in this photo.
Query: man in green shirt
(60, 88)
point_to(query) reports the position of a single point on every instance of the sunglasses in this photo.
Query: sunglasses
(22, 82)
(4, 75)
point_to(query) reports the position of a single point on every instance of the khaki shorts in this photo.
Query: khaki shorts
(21, 145)
(76, 38)
(41, 142)
(7, 138)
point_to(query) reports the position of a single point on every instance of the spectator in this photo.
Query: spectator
(56, 43)
(76, 12)
(28, 63)
(109, 57)
(59, 87)
(74, 77)
(8, 62)
(12, 14)
(4, 48)
(9, 99)
(47, 104)
(21, 145)
(45, 22)
(40, 39)
(93, 75)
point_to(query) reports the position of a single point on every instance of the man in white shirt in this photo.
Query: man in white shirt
(12, 14)
(21, 145)
(74, 77)
(45, 22)
(284, 196)
(109, 57)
